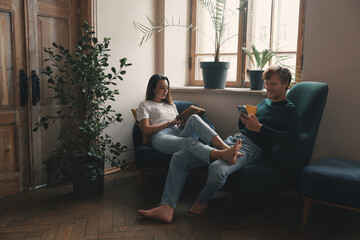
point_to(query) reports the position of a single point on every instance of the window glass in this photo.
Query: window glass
(259, 24)
(286, 22)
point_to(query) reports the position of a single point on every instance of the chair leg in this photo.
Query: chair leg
(141, 179)
(307, 206)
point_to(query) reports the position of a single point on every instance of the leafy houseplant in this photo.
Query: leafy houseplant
(81, 84)
(219, 15)
(259, 60)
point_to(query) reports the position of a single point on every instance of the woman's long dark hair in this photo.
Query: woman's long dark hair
(150, 95)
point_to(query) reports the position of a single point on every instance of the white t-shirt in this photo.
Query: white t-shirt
(156, 112)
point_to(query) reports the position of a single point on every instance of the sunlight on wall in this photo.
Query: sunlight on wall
(115, 20)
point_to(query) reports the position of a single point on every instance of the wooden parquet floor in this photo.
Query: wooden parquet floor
(54, 213)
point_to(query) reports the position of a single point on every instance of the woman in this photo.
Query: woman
(157, 117)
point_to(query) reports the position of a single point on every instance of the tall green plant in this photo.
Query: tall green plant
(82, 85)
(218, 13)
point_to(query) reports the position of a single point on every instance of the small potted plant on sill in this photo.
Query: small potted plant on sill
(81, 84)
(259, 60)
(214, 72)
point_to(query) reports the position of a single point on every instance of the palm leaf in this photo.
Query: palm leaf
(256, 56)
(249, 54)
(157, 26)
(266, 56)
(217, 12)
(219, 16)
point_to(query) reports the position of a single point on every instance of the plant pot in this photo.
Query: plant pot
(214, 74)
(83, 184)
(256, 80)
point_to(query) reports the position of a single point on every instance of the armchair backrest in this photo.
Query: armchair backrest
(309, 99)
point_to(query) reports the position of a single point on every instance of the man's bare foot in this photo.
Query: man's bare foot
(231, 154)
(198, 207)
(162, 213)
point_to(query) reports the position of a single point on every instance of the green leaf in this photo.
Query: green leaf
(85, 26)
(249, 54)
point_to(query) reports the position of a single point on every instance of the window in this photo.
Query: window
(275, 24)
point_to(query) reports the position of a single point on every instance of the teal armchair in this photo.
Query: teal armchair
(280, 168)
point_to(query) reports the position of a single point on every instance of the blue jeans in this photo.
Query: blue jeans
(172, 139)
(183, 161)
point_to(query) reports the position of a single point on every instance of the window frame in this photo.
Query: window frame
(241, 56)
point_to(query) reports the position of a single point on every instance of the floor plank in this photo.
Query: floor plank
(64, 232)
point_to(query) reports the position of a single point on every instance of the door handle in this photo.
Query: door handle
(24, 85)
(35, 87)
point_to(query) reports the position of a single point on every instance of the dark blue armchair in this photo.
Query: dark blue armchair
(149, 159)
(280, 168)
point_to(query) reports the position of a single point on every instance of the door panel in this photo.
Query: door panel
(22, 152)
(6, 61)
(14, 134)
(7, 143)
(49, 21)
(60, 33)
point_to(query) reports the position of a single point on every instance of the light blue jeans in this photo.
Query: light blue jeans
(218, 171)
(172, 139)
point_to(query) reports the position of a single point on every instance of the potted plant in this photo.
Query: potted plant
(81, 84)
(215, 72)
(261, 59)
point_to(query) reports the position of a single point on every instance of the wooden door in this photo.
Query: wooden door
(14, 134)
(48, 21)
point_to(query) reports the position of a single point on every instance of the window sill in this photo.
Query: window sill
(191, 89)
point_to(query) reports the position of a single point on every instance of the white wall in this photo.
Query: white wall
(331, 55)
(115, 20)
(220, 107)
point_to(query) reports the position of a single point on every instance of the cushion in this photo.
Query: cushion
(145, 137)
(148, 157)
(332, 180)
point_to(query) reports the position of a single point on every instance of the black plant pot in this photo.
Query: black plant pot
(256, 80)
(83, 184)
(214, 74)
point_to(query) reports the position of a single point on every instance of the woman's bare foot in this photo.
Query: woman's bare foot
(198, 207)
(162, 213)
(219, 143)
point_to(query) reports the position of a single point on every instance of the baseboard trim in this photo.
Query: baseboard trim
(112, 170)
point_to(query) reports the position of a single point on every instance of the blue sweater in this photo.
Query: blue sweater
(280, 124)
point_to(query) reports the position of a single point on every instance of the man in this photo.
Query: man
(275, 122)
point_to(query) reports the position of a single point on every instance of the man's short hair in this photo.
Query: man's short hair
(284, 74)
